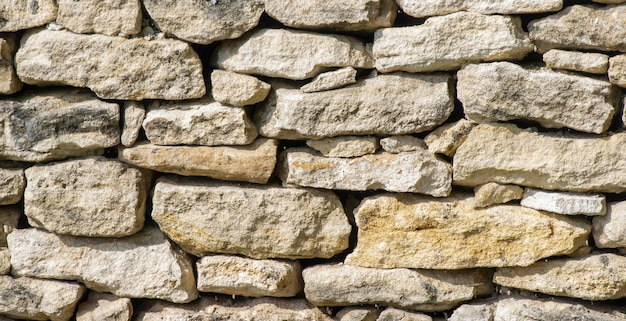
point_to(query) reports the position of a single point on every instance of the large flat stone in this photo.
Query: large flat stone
(108, 17)
(9, 83)
(17, 15)
(12, 184)
(104, 307)
(448, 42)
(507, 154)
(609, 231)
(145, 265)
(504, 91)
(564, 203)
(412, 231)
(426, 8)
(113, 67)
(393, 104)
(415, 172)
(257, 221)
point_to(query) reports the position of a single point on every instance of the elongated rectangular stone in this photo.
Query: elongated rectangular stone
(551, 309)
(345, 146)
(108, 17)
(593, 63)
(9, 83)
(564, 203)
(426, 8)
(395, 104)
(21, 14)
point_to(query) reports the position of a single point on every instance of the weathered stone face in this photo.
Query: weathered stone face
(345, 146)
(393, 314)
(9, 83)
(494, 193)
(361, 313)
(446, 138)
(104, 307)
(426, 8)
(12, 184)
(133, 115)
(17, 15)
(593, 63)
(331, 80)
(108, 17)
(237, 90)
(617, 70)
(609, 231)
(564, 203)
(522, 309)
(402, 143)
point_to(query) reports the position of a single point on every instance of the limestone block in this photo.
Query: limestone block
(9, 217)
(22, 14)
(564, 203)
(447, 138)
(413, 231)
(505, 91)
(549, 309)
(34, 299)
(96, 197)
(257, 221)
(104, 307)
(473, 312)
(593, 63)
(494, 193)
(146, 265)
(393, 314)
(554, 161)
(133, 115)
(248, 277)
(426, 8)
(345, 146)
(617, 70)
(331, 80)
(448, 42)
(109, 17)
(291, 54)
(113, 67)
(415, 172)
(9, 83)
(251, 163)
(395, 104)
(361, 313)
(5, 261)
(402, 143)
(423, 290)
(12, 184)
(609, 231)
(205, 22)
(238, 90)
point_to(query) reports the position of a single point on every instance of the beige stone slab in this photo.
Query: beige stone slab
(393, 314)
(609, 231)
(494, 193)
(362, 313)
(331, 80)
(133, 115)
(564, 203)
(345, 146)
(447, 138)
(402, 144)
(12, 184)
(593, 63)
(104, 307)
(238, 90)
(22, 14)
(551, 309)
(426, 8)
(9, 83)
(108, 17)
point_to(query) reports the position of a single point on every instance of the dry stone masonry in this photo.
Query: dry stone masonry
(319, 160)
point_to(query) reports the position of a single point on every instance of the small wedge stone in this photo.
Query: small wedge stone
(426, 8)
(19, 14)
(494, 193)
(362, 313)
(402, 144)
(12, 184)
(108, 17)
(564, 203)
(104, 307)
(617, 70)
(609, 231)
(238, 90)
(133, 115)
(331, 80)
(5, 261)
(9, 218)
(345, 146)
(393, 314)
(9, 83)
(551, 309)
(447, 138)
(593, 63)
(473, 312)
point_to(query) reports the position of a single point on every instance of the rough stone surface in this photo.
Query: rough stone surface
(34, 299)
(104, 307)
(248, 277)
(362, 313)
(402, 144)
(201, 122)
(56, 124)
(554, 161)
(424, 290)
(145, 264)
(9, 83)
(96, 197)
(12, 184)
(291, 54)
(345, 146)
(448, 42)
(426, 8)
(252, 163)
(412, 231)
(205, 22)
(238, 90)
(473, 312)
(5, 261)
(593, 63)
(337, 15)
(609, 231)
(503, 91)
(520, 309)
(17, 15)
(617, 70)
(393, 314)
(494, 193)
(113, 67)
(257, 221)
(447, 138)
(109, 17)
(581, 27)
(331, 80)
(9, 217)
(133, 115)
(416, 172)
(393, 104)
(564, 203)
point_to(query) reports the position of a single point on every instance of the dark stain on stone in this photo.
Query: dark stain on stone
(34, 6)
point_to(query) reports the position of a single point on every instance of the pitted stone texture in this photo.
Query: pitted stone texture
(22, 14)
(494, 193)
(593, 277)
(56, 124)
(96, 197)
(593, 63)
(362, 313)
(5, 261)
(345, 146)
(237, 90)
(113, 67)
(205, 22)
(9, 218)
(412, 231)
(252, 163)
(553, 161)
(108, 17)
(581, 27)
(146, 265)
(424, 290)
(564, 203)
(331, 80)
(427, 8)
(133, 115)
(617, 70)
(448, 42)
(9, 83)
(34, 299)
(393, 314)
(12, 184)
(415, 172)
(257, 221)
(609, 231)
(291, 54)
(447, 138)
(395, 104)
(503, 91)
(104, 307)
(248, 277)
(200, 122)
(402, 143)
(549, 309)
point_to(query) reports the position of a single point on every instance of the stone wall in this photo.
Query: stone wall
(312, 160)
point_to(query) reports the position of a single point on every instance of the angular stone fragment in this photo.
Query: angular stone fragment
(9, 83)
(205, 22)
(133, 115)
(494, 193)
(609, 231)
(593, 63)
(448, 42)
(402, 144)
(550, 309)
(564, 203)
(393, 314)
(248, 277)
(34, 299)
(146, 265)
(345, 146)
(415, 172)
(109, 17)
(473, 312)
(5, 261)
(447, 138)
(104, 307)
(113, 67)
(362, 313)
(20, 14)
(393, 104)
(237, 90)
(554, 161)
(9, 217)
(581, 27)
(427, 8)
(96, 197)
(617, 70)
(291, 54)
(252, 163)
(257, 221)
(12, 184)
(201, 122)
(412, 231)
(505, 91)
(331, 80)
(424, 290)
